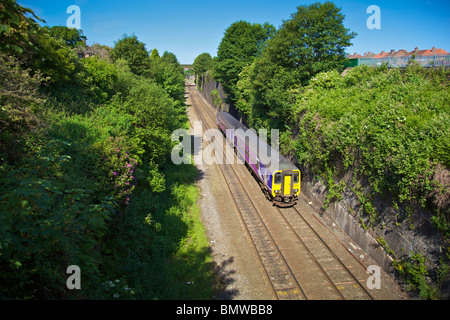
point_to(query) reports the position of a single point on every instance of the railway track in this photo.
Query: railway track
(345, 283)
(279, 274)
(285, 255)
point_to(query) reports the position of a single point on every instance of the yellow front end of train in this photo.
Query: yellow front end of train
(285, 186)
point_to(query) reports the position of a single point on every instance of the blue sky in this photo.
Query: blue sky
(189, 28)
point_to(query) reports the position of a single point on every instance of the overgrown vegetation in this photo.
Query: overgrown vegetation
(389, 125)
(202, 64)
(378, 133)
(85, 171)
(413, 270)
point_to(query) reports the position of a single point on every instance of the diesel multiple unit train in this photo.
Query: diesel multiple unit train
(277, 176)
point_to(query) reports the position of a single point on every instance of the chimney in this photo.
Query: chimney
(433, 49)
(392, 51)
(416, 49)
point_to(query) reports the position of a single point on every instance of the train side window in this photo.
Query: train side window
(295, 177)
(277, 178)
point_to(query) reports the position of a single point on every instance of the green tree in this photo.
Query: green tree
(134, 51)
(170, 75)
(312, 41)
(73, 37)
(98, 77)
(240, 45)
(153, 115)
(49, 56)
(244, 98)
(169, 57)
(155, 54)
(202, 64)
(16, 26)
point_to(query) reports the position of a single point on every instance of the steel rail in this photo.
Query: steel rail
(332, 252)
(312, 256)
(262, 250)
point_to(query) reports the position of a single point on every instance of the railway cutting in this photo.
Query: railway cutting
(299, 256)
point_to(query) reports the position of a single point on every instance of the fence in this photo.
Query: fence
(401, 62)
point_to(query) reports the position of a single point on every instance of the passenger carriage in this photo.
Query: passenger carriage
(277, 176)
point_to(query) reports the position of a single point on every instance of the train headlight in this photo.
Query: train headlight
(295, 190)
(277, 191)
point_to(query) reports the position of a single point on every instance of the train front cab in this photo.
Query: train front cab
(286, 187)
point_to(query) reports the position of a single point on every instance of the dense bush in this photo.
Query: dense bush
(391, 126)
(20, 99)
(55, 208)
(84, 173)
(98, 78)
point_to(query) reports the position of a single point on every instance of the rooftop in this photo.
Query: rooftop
(400, 53)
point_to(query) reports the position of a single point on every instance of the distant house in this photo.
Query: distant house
(368, 55)
(429, 52)
(186, 66)
(380, 55)
(354, 56)
(400, 58)
(437, 51)
(83, 52)
(400, 53)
